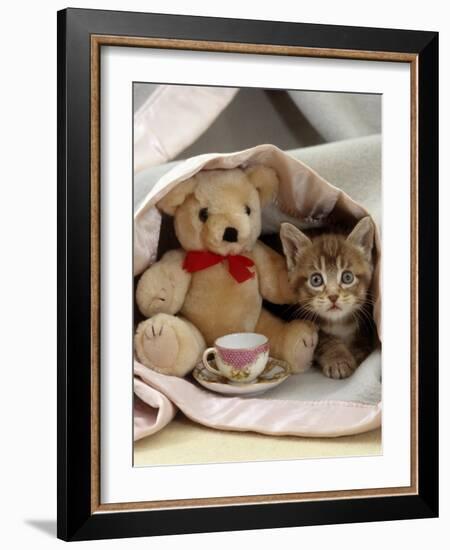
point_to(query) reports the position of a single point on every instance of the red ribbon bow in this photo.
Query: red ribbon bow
(196, 260)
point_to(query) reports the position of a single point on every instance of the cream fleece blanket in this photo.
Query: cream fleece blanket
(309, 404)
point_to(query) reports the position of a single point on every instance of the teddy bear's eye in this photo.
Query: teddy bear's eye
(203, 215)
(248, 210)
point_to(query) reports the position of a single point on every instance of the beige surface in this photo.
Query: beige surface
(184, 442)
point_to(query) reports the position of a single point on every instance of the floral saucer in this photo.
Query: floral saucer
(273, 375)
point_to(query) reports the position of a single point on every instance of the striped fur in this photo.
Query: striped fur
(342, 309)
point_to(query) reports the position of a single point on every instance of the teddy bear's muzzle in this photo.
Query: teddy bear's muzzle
(230, 235)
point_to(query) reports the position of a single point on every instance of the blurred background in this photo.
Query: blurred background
(288, 119)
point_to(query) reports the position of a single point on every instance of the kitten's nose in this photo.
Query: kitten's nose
(333, 298)
(230, 235)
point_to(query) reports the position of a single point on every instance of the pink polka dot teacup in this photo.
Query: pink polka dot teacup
(240, 357)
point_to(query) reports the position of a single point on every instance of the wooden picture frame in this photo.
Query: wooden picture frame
(81, 35)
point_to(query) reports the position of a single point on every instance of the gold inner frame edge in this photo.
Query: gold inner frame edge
(97, 41)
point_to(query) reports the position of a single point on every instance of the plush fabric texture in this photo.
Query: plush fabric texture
(328, 417)
(217, 280)
(352, 165)
(152, 409)
(307, 200)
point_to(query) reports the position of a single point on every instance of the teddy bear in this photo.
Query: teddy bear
(216, 282)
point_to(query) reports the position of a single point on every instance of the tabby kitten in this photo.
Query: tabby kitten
(331, 275)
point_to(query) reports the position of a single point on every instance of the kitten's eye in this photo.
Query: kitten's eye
(203, 215)
(316, 279)
(347, 277)
(248, 210)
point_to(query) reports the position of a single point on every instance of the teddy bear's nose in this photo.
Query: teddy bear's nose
(230, 235)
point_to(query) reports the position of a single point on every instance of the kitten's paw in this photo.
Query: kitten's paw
(339, 368)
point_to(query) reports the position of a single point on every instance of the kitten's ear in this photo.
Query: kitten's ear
(294, 242)
(362, 236)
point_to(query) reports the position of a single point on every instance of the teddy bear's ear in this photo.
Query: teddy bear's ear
(265, 180)
(177, 196)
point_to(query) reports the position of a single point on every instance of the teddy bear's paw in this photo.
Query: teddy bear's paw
(158, 344)
(158, 301)
(153, 298)
(302, 351)
(309, 336)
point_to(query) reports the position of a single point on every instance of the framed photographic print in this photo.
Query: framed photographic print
(247, 256)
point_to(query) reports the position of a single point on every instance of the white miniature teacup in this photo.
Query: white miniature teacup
(240, 357)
